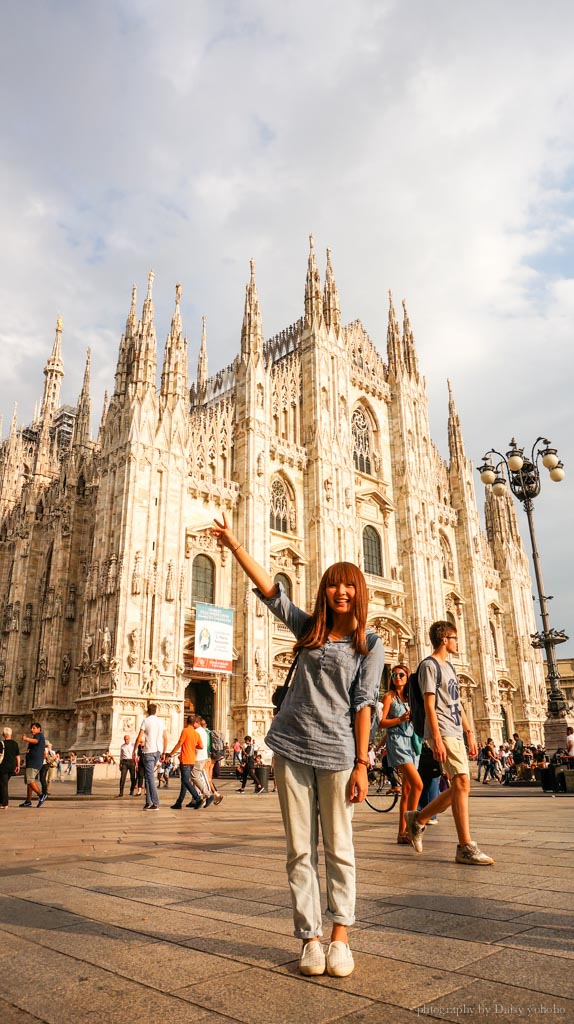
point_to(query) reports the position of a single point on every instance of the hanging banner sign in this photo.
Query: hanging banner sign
(213, 650)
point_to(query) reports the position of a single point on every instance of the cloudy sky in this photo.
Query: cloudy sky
(428, 144)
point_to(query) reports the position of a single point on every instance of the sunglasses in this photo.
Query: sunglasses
(401, 675)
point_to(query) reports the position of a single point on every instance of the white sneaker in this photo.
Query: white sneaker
(312, 960)
(340, 961)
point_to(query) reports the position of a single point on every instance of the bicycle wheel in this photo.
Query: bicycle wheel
(379, 798)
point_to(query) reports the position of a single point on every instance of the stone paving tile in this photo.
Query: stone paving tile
(427, 950)
(21, 917)
(159, 922)
(494, 910)
(493, 1002)
(240, 912)
(296, 1000)
(249, 945)
(456, 926)
(162, 965)
(556, 919)
(378, 978)
(547, 974)
(79, 992)
(551, 941)
(12, 1015)
(546, 899)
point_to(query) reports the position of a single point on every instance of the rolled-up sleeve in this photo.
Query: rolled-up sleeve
(366, 686)
(283, 609)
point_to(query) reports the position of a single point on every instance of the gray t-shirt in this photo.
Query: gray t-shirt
(448, 702)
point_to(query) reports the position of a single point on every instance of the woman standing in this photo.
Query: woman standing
(401, 755)
(320, 740)
(9, 765)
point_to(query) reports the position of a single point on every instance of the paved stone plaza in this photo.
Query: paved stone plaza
(113, 915)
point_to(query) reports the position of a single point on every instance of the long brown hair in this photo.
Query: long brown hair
(322, 616)
(407, 671)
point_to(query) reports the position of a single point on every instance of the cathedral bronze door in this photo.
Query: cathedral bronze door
(199, 700)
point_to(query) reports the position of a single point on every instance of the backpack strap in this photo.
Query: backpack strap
(372, 638)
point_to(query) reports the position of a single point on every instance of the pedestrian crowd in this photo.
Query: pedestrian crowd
(329, 731)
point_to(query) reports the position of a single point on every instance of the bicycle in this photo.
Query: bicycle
(380, 797)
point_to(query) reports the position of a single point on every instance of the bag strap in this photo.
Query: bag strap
(291, 672)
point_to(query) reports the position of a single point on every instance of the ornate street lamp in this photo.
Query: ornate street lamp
(522, 474)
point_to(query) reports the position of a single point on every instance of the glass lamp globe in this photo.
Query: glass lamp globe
(499, 487)
(488, 476)
(557, 474)
(550, 459)
(515, 462)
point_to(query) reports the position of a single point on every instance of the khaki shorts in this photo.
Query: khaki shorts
(456, 756)
(32, 774)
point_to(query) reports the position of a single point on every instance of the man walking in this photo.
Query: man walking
(188, 743)
(34, 761)
(153, 736)
(445, 727)
(127, 765)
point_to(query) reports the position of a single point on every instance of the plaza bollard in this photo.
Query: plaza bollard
(262, 776)
(84, 779)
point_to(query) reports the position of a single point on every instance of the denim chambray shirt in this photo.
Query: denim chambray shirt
(331, 683)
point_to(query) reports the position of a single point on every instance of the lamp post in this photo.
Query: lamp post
(523, 476)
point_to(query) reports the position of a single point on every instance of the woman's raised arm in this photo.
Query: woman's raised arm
(256, 572)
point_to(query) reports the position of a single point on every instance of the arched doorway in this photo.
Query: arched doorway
(199, 700)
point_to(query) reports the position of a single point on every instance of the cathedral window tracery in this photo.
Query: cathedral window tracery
(447, 559)
(372, 551)
(362, 443)
(202, 580)
(282, 510)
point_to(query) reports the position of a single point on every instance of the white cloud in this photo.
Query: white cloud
(429, 145)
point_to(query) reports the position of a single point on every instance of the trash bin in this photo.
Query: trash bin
(84, 779)
(547, 778)
(569, 780)
(262, 776)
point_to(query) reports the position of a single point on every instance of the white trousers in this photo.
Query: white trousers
(308, 795)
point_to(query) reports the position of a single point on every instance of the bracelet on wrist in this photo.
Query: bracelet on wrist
(233, 550)
(361, 760)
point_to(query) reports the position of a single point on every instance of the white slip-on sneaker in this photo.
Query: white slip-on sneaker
(340, 961)
(312, 960)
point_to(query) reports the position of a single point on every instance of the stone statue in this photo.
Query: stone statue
(328, 485)
(27, 622)
(134, 645)
(112, 575)
(167, 647)
(169, 595)
(71, 604)
(58, 603)
(106, 646)
(66, 665)
(137, 574)
(20, 679)
(15, 625)
(85, 663)
(114, 673)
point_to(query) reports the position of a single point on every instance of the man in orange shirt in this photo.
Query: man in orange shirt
(189, 742)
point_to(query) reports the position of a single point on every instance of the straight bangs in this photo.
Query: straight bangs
(321, 620)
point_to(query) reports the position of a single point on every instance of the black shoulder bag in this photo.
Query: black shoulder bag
(281, 691)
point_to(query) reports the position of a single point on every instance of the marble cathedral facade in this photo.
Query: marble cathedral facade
(320, 450)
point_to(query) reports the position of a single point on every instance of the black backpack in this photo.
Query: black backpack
(416, 700)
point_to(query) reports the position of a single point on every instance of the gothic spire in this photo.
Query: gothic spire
(81, 435)
(409, 350)
(174, 373)
(141, 353)
(331, 307)
(455, 440)
(132, 320)
(313, 297)
(394, 347)
(103, 417)
(202, 360)
(14, 423)
(252, 329)
(53, 373)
